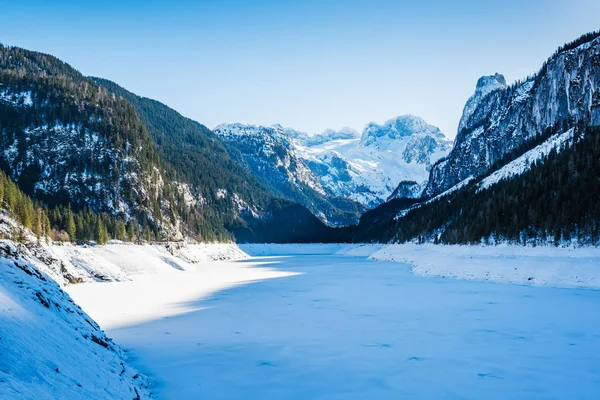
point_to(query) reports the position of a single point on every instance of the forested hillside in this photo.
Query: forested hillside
(554, 201)
(115, 165)
(212, 186)
(67, 141)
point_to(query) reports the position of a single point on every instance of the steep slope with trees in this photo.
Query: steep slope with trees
(525, 167)
(495, 122)
(211, 180)
(269, 154)
(67, 141)
(115, 165)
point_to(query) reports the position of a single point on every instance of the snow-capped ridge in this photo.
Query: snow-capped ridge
(272, 155)
(370, 168)
(397, 128)
(328, 135)
(523, 163)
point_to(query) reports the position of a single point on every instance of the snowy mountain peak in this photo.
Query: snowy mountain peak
(397, 128)
(498, 120)
(485, 85)
(488, 83)
(328, 135)
(238, 129)
(369, 169)
(268, 152)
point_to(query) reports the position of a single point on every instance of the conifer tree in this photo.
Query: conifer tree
(70, 227)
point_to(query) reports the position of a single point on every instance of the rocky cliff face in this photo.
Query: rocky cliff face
(485, 86)
(499, 119)
(267, 150)
(269, 154)
(407, 190)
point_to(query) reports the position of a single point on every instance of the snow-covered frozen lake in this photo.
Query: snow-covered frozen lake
(335, 327)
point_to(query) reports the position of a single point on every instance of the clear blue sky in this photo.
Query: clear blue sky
(310, 65)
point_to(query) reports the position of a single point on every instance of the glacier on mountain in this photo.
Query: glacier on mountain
(368, 168)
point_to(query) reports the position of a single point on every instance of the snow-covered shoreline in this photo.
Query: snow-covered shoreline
(540, 266)
(119, 261)
(49, 347)
(165, 282)
(329, 326)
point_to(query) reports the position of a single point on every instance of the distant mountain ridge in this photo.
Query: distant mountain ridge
(268, 153)
(369, 167)
(366, 168)
(92, 148)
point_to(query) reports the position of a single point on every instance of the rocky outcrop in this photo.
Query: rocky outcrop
(269, 154)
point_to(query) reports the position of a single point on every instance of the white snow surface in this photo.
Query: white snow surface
(49, 348)
(119, 261)
(16, 98)
(540, 266)
(523, 163)
(326, 322)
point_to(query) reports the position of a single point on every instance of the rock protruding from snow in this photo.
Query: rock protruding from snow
(485, 86)
(49, 347)
(407, 190)
(269, 154)
(268, 148)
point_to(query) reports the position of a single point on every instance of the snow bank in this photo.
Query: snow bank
(119, 261)
(49, 348)
(359, 250)
(544, 266)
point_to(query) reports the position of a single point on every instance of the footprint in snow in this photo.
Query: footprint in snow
(266, 364)
(380, 345)
(489, 375)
